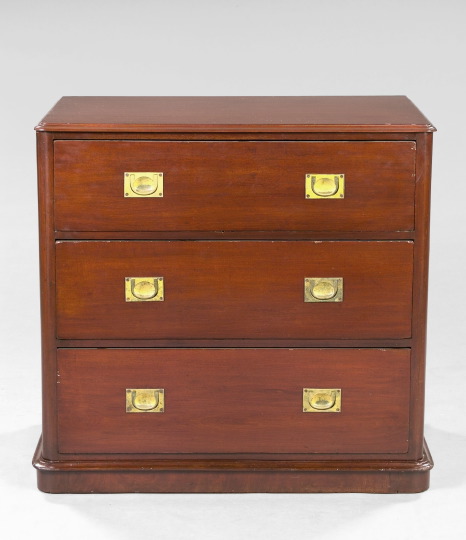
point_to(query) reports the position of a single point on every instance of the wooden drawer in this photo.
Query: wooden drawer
(219, 289)
(234, 186)
(227, 401)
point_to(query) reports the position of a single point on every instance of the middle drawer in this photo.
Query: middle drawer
(235, 290)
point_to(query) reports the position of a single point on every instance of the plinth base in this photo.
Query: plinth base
(232, 476)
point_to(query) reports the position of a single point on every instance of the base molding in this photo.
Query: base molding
(232, 476)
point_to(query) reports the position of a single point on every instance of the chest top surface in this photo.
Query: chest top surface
(376, 114)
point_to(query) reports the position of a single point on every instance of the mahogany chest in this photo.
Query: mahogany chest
(233, 294)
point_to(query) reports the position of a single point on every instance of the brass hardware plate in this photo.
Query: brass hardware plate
(144, 289)
(145, 400)
(323, 289)
(322, 400)
(143, 184)
(325, 186)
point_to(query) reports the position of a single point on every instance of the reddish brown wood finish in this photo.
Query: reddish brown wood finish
(240, 290)
(47, 297)
(378, 119)
(235, 235)
(224, 400)
(233, 343)
(420, 289)
(233, 476)
(244, 186)
(239, 114)
(233, 136)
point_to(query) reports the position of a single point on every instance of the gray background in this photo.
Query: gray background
(52, 48)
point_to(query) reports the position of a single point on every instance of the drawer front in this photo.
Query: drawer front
(234, 186)
(233, 401)
(218, 289)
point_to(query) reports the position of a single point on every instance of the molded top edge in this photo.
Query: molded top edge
(237, 114)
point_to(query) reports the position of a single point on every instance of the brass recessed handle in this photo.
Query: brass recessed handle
(144, 289)
(323, 289)
(325, 186)
(143, 184)
(145, 400)
(321, 399)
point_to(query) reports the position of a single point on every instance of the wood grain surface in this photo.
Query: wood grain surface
(243, 186)
(234, 238)
(233, 401)
(216, 289)
(233, 476)
(239, 113)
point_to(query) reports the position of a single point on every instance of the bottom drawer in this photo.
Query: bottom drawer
(233, 401)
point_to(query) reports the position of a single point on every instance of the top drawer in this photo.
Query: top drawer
(234, 186)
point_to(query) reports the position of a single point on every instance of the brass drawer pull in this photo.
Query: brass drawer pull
(144, 289)
(323, 289)
(143, 184)
(325, 186)
(322, 400)
(145, 400)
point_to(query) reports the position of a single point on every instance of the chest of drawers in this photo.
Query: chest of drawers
(233, 294)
